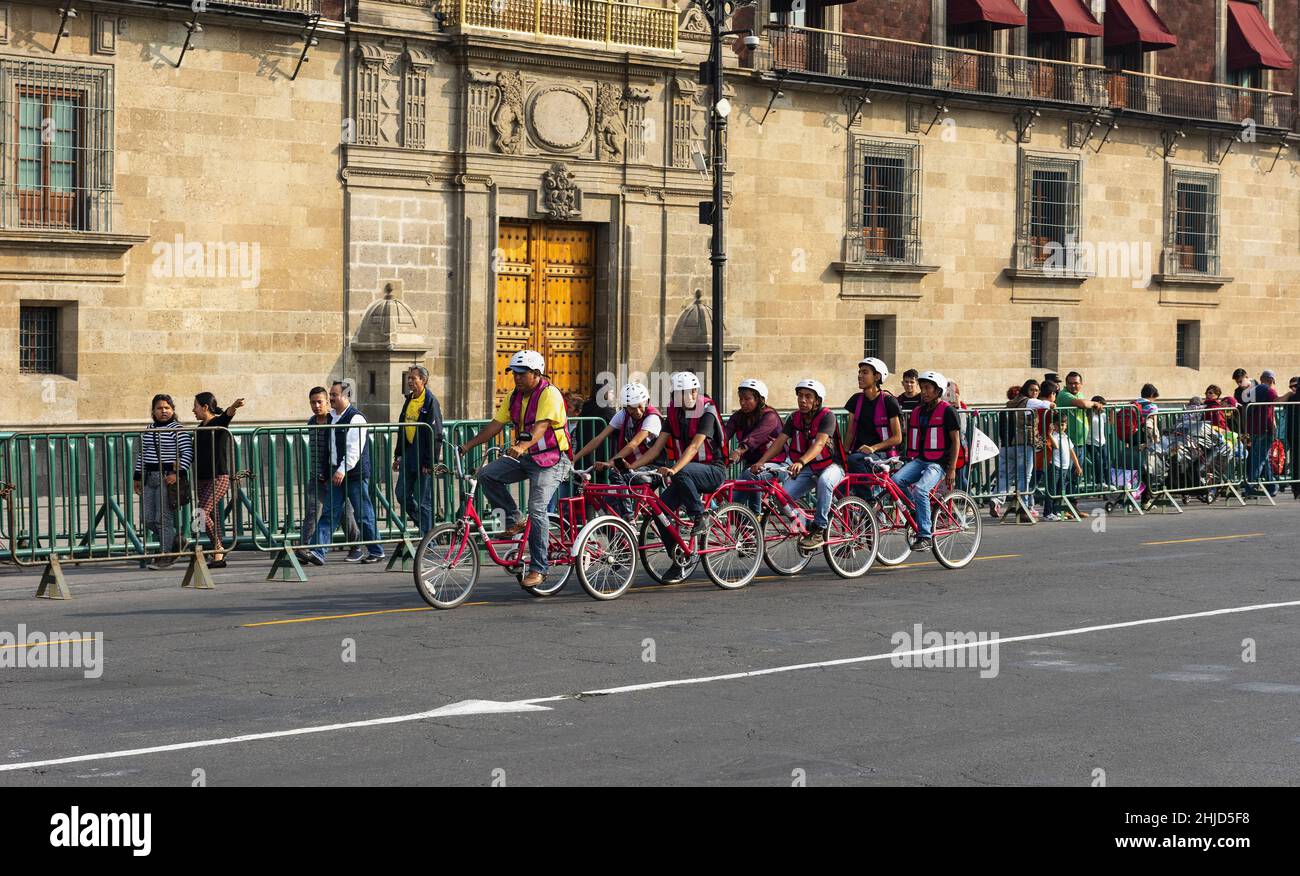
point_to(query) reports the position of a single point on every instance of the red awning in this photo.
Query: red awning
(1062, 16)
(999, 13)
(1134, 21)
(1251, 42)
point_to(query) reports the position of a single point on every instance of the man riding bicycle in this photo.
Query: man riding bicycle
(875, 421)
(815, 456)
(540, 454)
(638, 423)
(697, 447)
(933, 439)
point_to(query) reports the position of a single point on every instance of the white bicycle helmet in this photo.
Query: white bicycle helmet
(934, 377)
(755, 386)
(685, 381)
(814, 385)
(881, 368)
(634, 394)
(527, 360)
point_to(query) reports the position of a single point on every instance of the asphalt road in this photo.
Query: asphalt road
(1191, 694)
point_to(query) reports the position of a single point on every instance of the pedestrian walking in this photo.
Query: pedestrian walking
(213, 462)
(316, 484)
(348, 473)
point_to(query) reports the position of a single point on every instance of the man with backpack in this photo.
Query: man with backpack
(541, 454)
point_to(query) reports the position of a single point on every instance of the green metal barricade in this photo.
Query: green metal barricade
(1271, 433)
(1184, 453)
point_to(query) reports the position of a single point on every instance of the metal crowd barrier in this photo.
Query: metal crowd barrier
(1271, 433)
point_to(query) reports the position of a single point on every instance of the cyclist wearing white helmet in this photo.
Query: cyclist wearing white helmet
(875, 420)
(816, 456)
(541, 454)
(696, 445)
(933, 439)
(637, 424)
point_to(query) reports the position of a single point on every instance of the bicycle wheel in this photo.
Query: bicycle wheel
(605, 557)
(446, 565)
(561, 565)
(735, 528)
(781, 546)
(658, 558)
(895, 541)
(852, 538)
(957, 529)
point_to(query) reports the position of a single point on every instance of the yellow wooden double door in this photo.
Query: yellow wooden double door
(546, 297)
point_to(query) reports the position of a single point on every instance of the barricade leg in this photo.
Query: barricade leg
(286, 567)
(53, 585)
(198, 575)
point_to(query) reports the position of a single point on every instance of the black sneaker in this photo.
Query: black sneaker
(315, 559)
(922, 544)
(372, 558)
(676, 574)
(161, 563)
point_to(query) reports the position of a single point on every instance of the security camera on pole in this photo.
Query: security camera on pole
(717, 12)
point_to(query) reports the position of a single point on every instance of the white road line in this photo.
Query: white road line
(489, 706)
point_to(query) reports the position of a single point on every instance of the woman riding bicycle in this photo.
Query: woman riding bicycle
(638, 425)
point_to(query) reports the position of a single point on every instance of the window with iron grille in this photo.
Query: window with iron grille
(1187, 344)
(1043, 343)
(38, 340)
(871, 338)
(56, 145)
(1192, 232)
(885, 222)
(1049, 212)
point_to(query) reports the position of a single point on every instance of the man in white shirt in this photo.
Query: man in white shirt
(349, 478)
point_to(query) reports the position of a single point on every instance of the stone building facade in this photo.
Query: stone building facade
(445, 182)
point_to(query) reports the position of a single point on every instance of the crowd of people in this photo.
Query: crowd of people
(690, 444)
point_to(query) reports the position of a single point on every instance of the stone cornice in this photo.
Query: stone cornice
(507, 53)
(41, 241)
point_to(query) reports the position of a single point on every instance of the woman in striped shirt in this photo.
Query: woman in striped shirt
(164, 456)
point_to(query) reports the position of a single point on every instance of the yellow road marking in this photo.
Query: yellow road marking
(43, 644)
(700, 584)
(1206, 538)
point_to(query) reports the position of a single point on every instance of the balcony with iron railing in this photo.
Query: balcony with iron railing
(304, 7)
(837, 58)
(615, 24)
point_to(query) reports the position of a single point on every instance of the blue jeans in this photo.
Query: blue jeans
(799, 485)
(1014, 461)
(543, 481)
(1059, 480)
(1260, 473)
(694, 478)
(418, 502)
(858, 465)
(751, 499)
(917, 479)
(356, 491)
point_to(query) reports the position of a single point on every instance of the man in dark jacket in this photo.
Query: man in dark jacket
(418, 448)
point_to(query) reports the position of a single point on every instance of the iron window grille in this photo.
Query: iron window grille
(885, 218)
(1192, 224)
(38, 340)
(1180, 345)
(56, 145)
(871, 335)
(1037, 332)
(1049, 213)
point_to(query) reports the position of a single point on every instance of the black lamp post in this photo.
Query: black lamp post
(717, 12)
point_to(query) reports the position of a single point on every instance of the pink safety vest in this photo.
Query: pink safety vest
(805, 434)
(545, 452)
(879, 418)
(925, 437)
(630, 428)
(680, 437)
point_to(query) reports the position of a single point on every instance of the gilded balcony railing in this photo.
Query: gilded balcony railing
(600, 21)
(1199, 101)
(306, 7)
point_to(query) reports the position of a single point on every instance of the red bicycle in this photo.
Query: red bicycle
(728, 544)
(955, 521)
(447, 561)
(852, 533)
